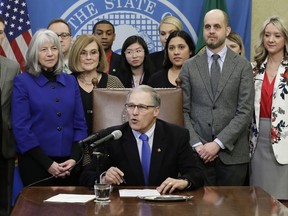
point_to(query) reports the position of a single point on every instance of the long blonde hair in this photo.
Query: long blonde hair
(260, 51)
(173, 21)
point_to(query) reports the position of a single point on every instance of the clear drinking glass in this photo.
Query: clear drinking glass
(102, 192)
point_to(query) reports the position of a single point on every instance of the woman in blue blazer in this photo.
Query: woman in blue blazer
(47, 115)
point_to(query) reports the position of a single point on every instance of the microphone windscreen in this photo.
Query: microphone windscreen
(117, 134)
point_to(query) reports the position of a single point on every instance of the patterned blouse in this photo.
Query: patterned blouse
(279, 117)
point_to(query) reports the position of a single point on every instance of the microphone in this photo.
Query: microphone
(115, 135)
(92, 138)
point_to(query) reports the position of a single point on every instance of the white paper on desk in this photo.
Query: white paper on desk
(71, 198)
(136, 192)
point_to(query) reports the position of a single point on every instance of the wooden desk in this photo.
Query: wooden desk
(230, 201)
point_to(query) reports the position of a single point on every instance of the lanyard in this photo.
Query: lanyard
(135, 84)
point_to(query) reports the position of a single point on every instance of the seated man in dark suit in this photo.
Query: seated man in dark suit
(171, 164)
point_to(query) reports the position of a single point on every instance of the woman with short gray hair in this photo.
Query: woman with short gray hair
(47, 115)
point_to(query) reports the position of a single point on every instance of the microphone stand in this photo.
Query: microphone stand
(87, 155)
(99, 156)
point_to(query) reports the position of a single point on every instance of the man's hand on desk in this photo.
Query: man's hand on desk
(113, 176)
(170, 184)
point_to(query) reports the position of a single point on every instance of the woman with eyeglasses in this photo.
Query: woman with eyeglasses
(136, 65)
(47, 116)
(179, 47)
(87, 62)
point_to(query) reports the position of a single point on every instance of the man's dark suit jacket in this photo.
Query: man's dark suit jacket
(171, 156)
(115, 63)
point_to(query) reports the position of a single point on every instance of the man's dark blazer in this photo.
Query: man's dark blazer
(115, 63)
(171, 155)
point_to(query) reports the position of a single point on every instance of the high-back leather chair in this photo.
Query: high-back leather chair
(109, 109)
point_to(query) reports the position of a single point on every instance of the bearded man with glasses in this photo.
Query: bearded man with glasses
(168, 157)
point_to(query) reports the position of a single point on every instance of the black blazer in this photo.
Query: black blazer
(171, 156)
(115, 63)
(158, 59)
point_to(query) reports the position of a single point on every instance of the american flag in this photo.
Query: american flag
(17, 30)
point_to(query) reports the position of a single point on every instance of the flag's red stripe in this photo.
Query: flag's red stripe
(27, 37)
(17, 52)
(2, 52)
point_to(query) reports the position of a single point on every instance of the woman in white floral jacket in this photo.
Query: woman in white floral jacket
(269, 141)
